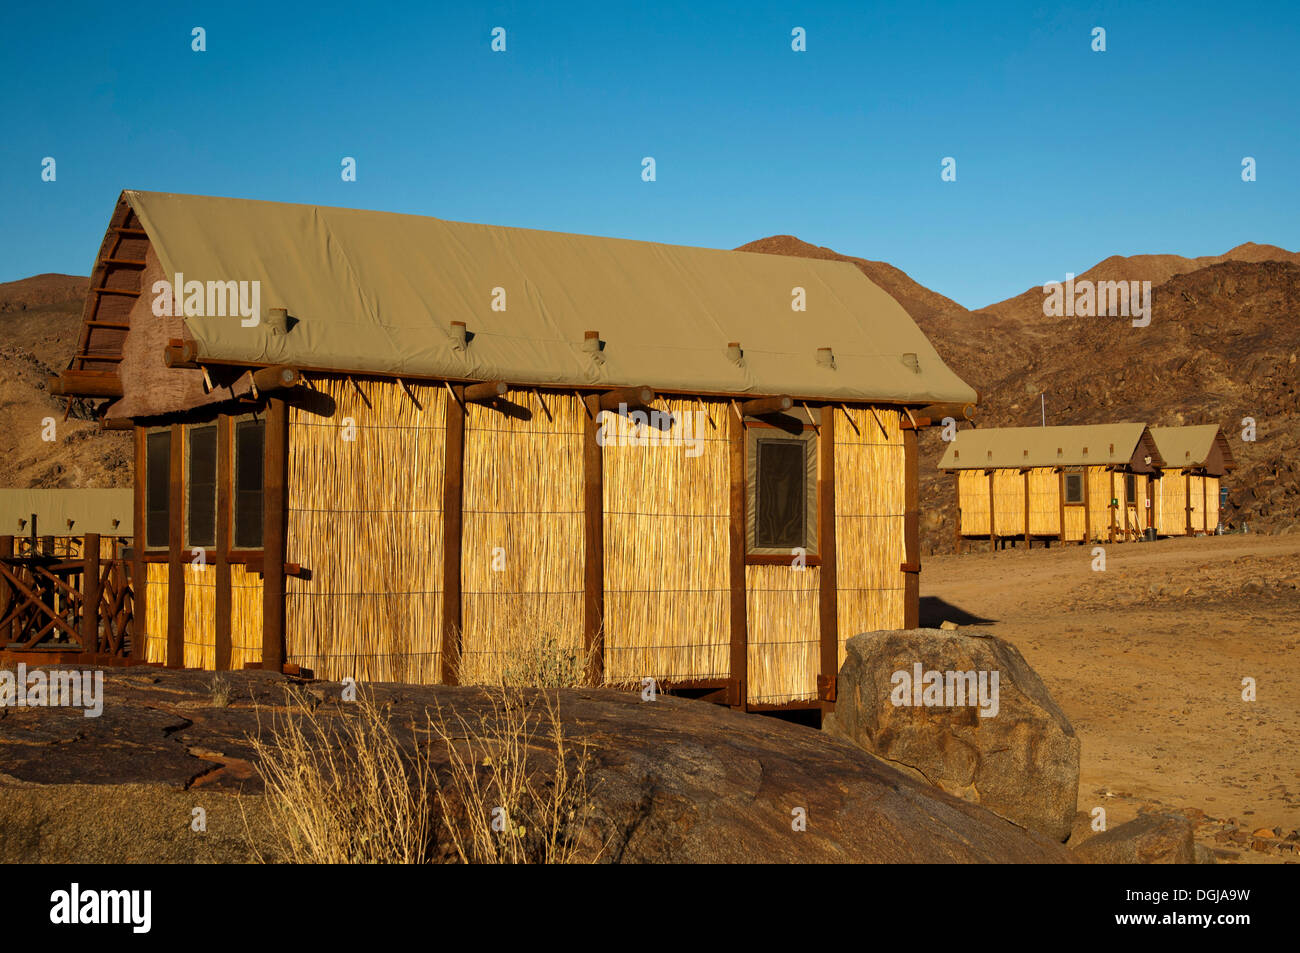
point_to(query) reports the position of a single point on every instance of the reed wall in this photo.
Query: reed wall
(973, 487)
(666, 513)
(1099, 496)
(784, 633)
(1199, 502)
(1044, 502)
(1211, 504)
(365, 516)
(155, 620)
(245, 617)
(1009, 501)
(870, 521)
(1074, 523)
(1171, 495)
(200, 638)
(522, 557)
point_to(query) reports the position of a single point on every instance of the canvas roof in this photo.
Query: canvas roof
(1194, 446)
(376, 292)
(1087, 445)
(92, 511)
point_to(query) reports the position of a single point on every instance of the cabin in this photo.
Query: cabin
(397, 448)
(1187, 490)
(1064, 484)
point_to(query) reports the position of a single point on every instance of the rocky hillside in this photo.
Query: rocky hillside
(40, 318)
(1222, 345)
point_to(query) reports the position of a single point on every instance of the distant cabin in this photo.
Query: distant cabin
(1064, 484)
(1187, 491)
(446, 452)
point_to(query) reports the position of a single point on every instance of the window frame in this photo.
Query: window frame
(1065, 488)
(1130, 489)
(187, 491)
(756, 433)
(233, 542)
(149, 511)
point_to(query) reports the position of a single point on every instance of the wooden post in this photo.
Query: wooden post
(736, 563)
(827, 596)
(1205, 503)
(176, 550)
(90, 592)
(911, 532)
(1087, 506)
(593, 528)
(453, 472)
(221, 609)
(993, 526)
(1114, 501)
(1028, 544)
(1187, 496)
(139, 577)
(275, 527)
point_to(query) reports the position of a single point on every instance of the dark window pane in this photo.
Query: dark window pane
(249, 442)
(1130, 488)
(201, 512)
(1074, 488)
(782, 495)
(157, 487)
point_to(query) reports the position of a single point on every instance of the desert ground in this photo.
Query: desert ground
(1147, 659)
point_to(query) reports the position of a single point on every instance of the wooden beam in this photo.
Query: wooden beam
(765, 405)
(176, 550)
(452, 501)
(937, 412)
(627, 397)
(275, 378)
(221, 610)
(90, 595)
(139, 579)
(911, 531)
(116, 423)
(86, 383)
(739, 670)
(828, 593)
(275, 524)
(181, 354)
(485, 392)
(593, 500)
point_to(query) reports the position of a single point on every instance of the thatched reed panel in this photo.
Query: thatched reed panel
(1197, 489)
(245, 617)
(1171, 495)
(870, 521)
(1211, 503)
(1099, 497)
(667, 514)
(1009, 498)
(200, 640)
(784, 633)
(365, 516)
(1044, 502)
(973, 485)
(1074, 522)
(522, 551)
(155, 645)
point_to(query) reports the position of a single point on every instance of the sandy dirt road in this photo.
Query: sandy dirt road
(1147, 659)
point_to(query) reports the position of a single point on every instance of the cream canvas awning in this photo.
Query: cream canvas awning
(91, 511)
(1085, 445)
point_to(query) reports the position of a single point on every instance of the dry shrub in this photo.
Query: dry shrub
(343, 789)
(219, 690)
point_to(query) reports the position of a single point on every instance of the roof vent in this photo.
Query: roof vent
(1060, 452)
(825, 358)
(277, 320)
(910, 360)
(956, 454)
(1085, 451)
(592, 345)
(1112, 449)
(990, 454)
(734, 353)
(459, 336)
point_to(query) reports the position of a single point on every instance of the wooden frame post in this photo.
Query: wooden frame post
(452, 500)
(1028, 544)
(1114, 501)
(1187, 499)
(1060, 500)
(1087, 505)
(175, 550)
(275, 526)
(993, 509)
(6, 591)
(958, 539)
(593, 531)
(139, 573)
(1205, 504)
(90, 593)
(828, 593)
(221, 609)
(736, 563)
(911, 532)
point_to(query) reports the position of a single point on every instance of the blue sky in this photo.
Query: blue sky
(1064, 155)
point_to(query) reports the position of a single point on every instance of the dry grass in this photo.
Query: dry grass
(342, 788)
(219, 691)
(531, 648)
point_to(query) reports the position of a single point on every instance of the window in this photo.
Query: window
(782, 491)
(250, 440)
(1074, 488)
(201, 487)
(1130, 488)
(157, 489)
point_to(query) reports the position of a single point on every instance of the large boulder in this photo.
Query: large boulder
(671, 780)
(988, 731)
(1150, 839)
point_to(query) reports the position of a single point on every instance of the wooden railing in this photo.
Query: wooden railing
(65, 594)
